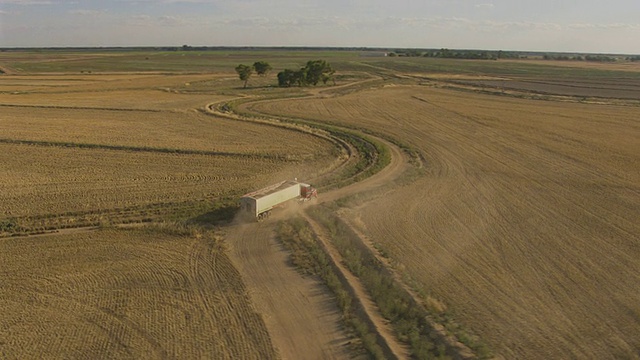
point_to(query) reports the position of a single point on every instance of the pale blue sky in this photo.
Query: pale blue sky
(611, 26)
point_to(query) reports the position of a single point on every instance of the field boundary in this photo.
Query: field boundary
(143, 149)
(57, 107)
(383, 331)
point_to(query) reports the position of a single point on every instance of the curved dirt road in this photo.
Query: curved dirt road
(301, 316)
(398, 164)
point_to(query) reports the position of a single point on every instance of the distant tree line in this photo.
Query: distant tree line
(594, 58)
(456, 54)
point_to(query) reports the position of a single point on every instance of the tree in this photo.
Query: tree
(317, 70)
(288, 78)
(262, 67)
(314, 72)
(244, 72)
(285, 78)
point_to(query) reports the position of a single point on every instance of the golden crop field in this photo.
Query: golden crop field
(526, 224)
(79, 150)
(94, 144)
(518, 218)
(126, 294)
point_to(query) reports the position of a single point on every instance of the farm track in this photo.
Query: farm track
(303, 320)
(290, 310)
(264, 266)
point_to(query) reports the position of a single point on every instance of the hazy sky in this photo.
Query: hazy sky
(542, 25)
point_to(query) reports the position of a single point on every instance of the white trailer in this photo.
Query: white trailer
(259, 204)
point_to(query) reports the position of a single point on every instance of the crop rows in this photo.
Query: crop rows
(129, 294)
(524, 221)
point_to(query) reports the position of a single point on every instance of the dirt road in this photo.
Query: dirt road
(398, 164)
(301, 316)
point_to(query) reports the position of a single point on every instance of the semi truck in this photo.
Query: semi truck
(260, 203)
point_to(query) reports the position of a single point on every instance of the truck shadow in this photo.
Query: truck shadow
(220, 216)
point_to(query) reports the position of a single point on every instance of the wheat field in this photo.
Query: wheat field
(84, 150)
(125, 294)
(526, 222)
(521, 220)
(95, 143)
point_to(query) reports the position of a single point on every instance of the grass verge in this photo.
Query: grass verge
(310, 259)
(414, 324)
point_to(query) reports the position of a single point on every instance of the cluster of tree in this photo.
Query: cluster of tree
(633, 58)
(600, 58)
(261, 68)
(596, 58)
(314, 72)
(562, 57)
(456, 54)
(407, 52)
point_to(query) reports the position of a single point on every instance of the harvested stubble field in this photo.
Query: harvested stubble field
(134, 294)
(84, 148)
(39, 180)
(620, 88)
(526, 224)
(79, 150)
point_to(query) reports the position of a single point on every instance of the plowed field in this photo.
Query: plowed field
(127, 295)
(526, 224)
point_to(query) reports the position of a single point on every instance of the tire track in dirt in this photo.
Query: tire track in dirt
(302, 318)
(397, 165)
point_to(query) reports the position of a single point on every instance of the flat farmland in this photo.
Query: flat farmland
(40, 180)
(95, 143)
(94, 149)
(159, 130)
(131, 294)
(519, 219)
(620, 88)
(526, 222)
